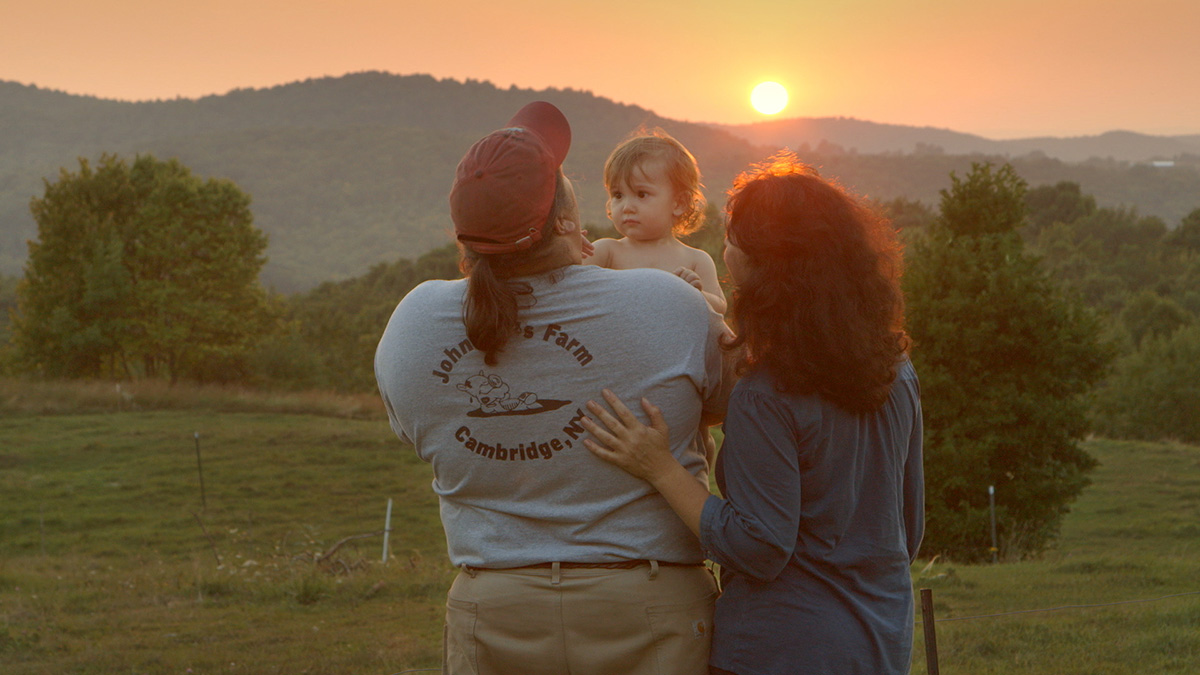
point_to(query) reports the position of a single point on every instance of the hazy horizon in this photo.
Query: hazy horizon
(1013, 69)
(782, 117)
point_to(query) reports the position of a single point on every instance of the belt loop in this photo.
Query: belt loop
(653, 570)
(467, 570)
(555, 574)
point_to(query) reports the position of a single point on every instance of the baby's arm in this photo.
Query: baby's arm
(703, 275)
(602, 253)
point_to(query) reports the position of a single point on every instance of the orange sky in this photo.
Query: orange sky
(1001, 69)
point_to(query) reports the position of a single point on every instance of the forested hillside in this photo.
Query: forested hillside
(348, 172)
(343, 172)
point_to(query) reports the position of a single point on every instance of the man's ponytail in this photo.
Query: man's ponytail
(492, 301)
(490, 307)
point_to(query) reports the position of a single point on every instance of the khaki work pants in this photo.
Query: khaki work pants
(650, 620)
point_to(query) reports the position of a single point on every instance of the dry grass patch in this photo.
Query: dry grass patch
(63, 397)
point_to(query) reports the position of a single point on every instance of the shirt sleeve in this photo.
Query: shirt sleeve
(753, 530)
(719, 365)
(393, 419)
(914, 486)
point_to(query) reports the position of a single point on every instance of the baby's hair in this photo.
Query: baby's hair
(646, 145)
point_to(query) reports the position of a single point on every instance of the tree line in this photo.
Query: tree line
(1037, 318)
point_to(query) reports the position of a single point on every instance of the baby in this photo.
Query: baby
(654, 196)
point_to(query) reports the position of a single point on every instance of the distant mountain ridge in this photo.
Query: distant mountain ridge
(343, 172)
(873, 138)
(346, 172)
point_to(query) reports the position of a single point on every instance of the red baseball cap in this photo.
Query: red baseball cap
(505, 185)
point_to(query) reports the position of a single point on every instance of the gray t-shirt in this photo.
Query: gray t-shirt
(515, 483)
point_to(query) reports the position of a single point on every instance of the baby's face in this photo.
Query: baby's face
(644, 207)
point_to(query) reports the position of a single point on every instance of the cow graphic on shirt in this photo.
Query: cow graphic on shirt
(491, 396)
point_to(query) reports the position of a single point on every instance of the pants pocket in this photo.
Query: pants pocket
(458, 638)
(683, 635)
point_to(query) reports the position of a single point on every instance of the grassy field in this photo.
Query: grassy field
(1134, 535)
(110, 563)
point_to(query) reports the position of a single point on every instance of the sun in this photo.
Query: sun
(769, 98)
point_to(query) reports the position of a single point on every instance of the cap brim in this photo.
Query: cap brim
(548, 122)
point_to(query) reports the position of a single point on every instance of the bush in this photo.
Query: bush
(1155, 391)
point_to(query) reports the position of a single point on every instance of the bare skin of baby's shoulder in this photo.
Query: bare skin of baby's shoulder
(668, 255)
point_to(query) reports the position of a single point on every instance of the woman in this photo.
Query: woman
(821, 466)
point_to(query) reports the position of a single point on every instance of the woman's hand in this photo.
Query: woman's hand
(645, 452)
(641, 450)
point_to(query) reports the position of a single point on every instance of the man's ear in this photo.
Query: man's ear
(565, 226)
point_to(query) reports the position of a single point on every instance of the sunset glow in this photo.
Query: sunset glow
(1002, 70)
(769, 98)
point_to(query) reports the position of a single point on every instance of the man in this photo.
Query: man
(568, 565)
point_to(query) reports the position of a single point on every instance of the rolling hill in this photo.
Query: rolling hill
(859, 136)
(351, 171)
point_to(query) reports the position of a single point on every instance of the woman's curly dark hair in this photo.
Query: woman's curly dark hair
(820, 305)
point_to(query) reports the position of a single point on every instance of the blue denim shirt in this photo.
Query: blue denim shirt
(823, 513)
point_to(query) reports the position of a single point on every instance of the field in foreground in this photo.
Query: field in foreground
(1133, 538)
(111, 563)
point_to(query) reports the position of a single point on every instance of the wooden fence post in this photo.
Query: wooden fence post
(927, 622)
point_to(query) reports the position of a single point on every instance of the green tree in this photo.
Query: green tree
(1063, 202)
(141, 270)
(8, 305)
(1148, 315)
(1153, 393)
(337, 325)
(984, 203)
(1187, 235)
(907, 215)
(1005, 358)
(1110, 254)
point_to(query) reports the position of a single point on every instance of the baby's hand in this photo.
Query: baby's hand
(589, 248)
(690, 276)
